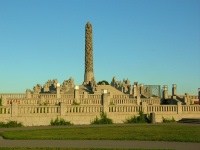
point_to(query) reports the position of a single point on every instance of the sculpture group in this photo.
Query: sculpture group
(80, 104)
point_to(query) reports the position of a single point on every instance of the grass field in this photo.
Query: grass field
(145, 132)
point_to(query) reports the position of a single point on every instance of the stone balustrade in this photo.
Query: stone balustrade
(81, 96)
(32, 109)
(125, 96)
(90, 101)
(44, 95)
(48, 95)
(27, 109)
(84, 109)
(118, 101)
(94, 96)
(22, 100)
(83, 114)
(191, 108)
(162, 108)
(59, 100)
(67, 96)
(5, 109)
(35, 101)
(69, 99)
(13, 95)
(151, 101)
(125, 108)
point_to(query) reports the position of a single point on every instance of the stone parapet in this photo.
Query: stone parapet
(31, 115)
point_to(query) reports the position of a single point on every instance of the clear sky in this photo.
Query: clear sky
(147, 41)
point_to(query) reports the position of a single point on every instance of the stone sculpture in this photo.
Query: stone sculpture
(89, 75)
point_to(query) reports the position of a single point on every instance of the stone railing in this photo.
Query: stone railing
(22, 100)
(94, 96)
(83, 101)
(81, 96)
(59, 100)
(151, 101)
(13, 95)
(67, 96)
(84, 109)
(5, 109)
(162, 108)
(24, 109)
(44, 95)
(125, 108)
(35, 101)
(90, 101)
(188, 96)
(125, 96)
(193, 97)
(32, 109)
(48, 95)
(131, 101)
(121, 101)
(191, 108)
(83, 114)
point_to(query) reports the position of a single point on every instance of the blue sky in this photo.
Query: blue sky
(147, 41)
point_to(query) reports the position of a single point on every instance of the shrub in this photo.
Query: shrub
(103, 119)
(142, 118)
(104, 82)
(10, 124)
(168, 120)
(60, 122)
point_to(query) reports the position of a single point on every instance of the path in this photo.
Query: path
(98, 144)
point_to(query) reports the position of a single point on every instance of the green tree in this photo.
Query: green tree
(103, 82)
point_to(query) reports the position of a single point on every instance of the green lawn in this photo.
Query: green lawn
(146, 132)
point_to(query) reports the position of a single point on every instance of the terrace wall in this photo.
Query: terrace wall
(35, 115)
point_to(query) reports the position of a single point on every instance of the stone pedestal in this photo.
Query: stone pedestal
(58, 91)
(174, 90)
(85, 94)
(42, 100)
(138, 100)
(134, 91)
(4, 101)
(153, 117)
(186, 99)
(141, 89)
(62, 109)
(105, 101)
(179, 108)
(165, 92)
(144, 107)
(76, 94)
(130, 90)
(28, 93)
(14, 109)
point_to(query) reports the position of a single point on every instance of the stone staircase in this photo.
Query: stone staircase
(190, 120)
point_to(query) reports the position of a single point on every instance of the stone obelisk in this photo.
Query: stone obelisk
(89, 74)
